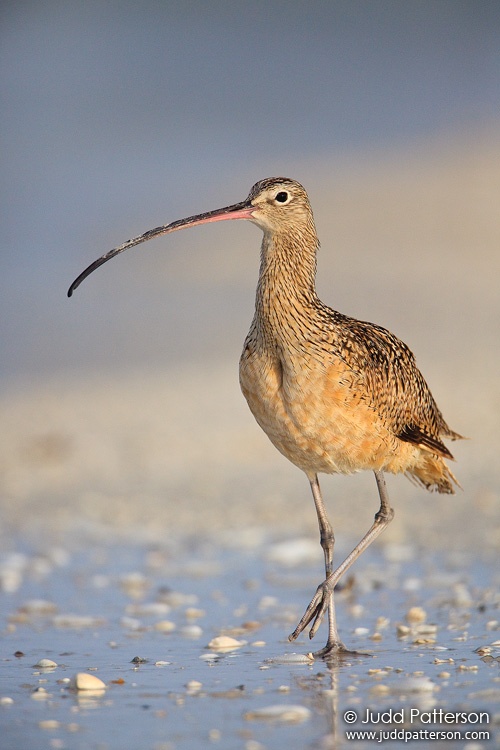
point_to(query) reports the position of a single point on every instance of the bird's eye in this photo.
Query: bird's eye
(282, 197)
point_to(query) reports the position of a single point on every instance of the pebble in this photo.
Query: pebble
(483, 650)
(250, 625)
(191, 631)
(178, 599)
(40, 567)
(293, 552)
(135, 584)
(12, 571)
(267, 602)
(412, 584)
(165, 626)
(242, 629)
(425, 628)
(194, 613)
(161, 663)
(10, 579)
(357, 610)
(40, 694)
(462, 596)
(38, 607)
(77, 621)
(225, 643)
(254, 745)
(193, 687)
(402, 630)
(45, 664)
(86, 681)
(291, 659)
(210, 657)
(49, 724)
(131, 623)
(288, 714)
(145, 609)
(379, 689)
(100, 581)
(427, 640)
(419, 684)
(240, 611)
(231, 693)
(416, 615)
(6, 700)
(444, 661)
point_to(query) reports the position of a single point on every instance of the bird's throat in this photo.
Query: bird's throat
(286, 300)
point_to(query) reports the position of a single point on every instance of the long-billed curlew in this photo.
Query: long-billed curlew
(333, 394)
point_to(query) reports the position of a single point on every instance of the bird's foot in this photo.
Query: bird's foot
(315, 611)
(335, 651)
(331, 649)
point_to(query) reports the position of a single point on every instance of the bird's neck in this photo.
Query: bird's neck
(286, 293)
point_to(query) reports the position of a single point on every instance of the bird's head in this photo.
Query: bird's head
(279, 205)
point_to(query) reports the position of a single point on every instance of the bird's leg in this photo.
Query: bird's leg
(321, 600)
(327, 541)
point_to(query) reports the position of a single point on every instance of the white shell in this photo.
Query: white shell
(289, 714)
(225, 643)
(86, 681)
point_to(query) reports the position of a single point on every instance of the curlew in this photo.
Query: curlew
(332, 393)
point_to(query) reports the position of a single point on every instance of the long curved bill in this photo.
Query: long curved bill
(241, 210)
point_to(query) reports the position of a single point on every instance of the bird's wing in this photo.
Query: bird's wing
(394, 385)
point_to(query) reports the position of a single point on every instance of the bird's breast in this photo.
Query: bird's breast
(314, 412)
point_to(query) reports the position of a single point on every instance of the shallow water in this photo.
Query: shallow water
(96, 607)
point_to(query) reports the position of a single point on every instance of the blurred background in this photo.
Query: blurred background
(123, 402)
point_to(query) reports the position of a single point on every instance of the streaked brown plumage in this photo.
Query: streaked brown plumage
(333, 394)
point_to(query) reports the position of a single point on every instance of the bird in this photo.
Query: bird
(335, 395)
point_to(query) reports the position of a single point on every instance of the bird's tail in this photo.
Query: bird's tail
(434, 474)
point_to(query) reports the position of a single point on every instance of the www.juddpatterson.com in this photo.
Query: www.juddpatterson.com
(412, 719)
